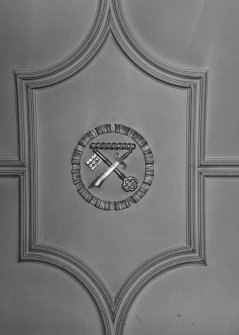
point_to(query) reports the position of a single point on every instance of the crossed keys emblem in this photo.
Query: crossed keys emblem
(129, 184)
(112, 164)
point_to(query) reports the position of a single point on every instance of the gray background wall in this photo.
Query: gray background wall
(36, 299)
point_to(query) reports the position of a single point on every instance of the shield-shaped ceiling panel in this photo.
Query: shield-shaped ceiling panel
(109, 104)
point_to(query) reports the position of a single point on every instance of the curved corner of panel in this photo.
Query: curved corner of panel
(124, 27)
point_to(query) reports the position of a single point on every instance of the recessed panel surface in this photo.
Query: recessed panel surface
(111, 90)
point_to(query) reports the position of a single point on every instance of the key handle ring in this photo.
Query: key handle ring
(130, 184)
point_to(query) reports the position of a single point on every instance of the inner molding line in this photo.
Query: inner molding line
(110, 22)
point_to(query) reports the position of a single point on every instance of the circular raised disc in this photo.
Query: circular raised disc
(148, 167)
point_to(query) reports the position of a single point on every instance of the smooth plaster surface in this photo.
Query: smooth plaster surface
(198, 34)
(40, 300)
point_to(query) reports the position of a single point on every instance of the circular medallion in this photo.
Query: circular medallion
(112, 167)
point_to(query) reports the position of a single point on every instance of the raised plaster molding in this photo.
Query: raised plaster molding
(110, 22)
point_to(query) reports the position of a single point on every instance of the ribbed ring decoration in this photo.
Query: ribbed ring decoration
(130, 182)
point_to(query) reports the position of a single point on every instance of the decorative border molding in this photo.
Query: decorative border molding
(110, 22)
(19, 161)
(219, 162)
(11, 162)
(20, 175)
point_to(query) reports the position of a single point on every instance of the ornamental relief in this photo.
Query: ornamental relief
(112, 166)
(94, 153)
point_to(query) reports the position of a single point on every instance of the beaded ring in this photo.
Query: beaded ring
(113, 146)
